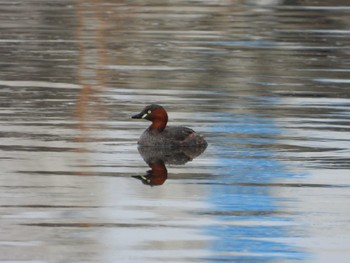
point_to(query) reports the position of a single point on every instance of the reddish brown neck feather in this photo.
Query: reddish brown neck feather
(159, 119)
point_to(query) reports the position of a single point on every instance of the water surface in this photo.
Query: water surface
(267, 84)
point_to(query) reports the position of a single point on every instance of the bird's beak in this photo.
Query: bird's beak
(141, 115)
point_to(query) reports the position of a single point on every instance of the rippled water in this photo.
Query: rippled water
(267, 84)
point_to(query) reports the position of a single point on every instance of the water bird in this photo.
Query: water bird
(158, 134)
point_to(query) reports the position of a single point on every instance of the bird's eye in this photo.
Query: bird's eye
(149, 112)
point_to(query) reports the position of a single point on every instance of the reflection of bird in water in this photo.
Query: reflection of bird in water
(156, 176)
(157, 158)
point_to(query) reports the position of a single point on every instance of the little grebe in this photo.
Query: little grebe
(161, 135)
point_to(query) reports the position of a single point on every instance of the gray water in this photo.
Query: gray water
(267, 84)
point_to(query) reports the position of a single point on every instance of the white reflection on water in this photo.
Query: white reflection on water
(38, 84)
